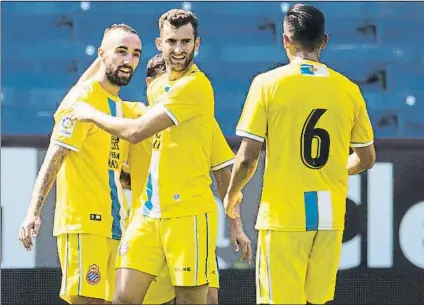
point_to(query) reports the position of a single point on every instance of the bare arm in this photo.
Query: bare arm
(237, 235)
(363, 158)
(91, 71)
(133, 130)
(245, 165)
(53, 161)
(223, 177)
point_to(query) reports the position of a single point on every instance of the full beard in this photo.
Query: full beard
(117, 80)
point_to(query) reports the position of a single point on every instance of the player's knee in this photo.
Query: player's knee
(131, 286)
(121, 297)
(76, 299)
(213, 295)
(192, 295)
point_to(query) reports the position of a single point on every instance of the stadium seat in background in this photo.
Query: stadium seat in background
(405, 77)
(47, 45)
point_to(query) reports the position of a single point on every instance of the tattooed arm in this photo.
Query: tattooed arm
(53, 161)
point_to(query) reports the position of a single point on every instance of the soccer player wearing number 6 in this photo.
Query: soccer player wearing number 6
(310, 116)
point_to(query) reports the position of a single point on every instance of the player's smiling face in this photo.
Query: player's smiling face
(121, 56)
(178, 46)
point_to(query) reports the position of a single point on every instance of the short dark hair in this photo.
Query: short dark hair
(121, 26)
(306, 24)
(177, 18)
(155, 66)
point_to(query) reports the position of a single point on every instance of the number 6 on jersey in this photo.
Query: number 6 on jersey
(321, 136)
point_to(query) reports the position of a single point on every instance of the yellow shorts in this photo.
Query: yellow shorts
(88, 265)
(184, 244)
(161, 290)
(295, 267)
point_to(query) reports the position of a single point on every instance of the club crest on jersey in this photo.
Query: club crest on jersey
(93, 276)
(123, 248)
(66, 126)
(306, 69)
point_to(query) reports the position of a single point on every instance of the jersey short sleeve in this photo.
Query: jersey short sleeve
(222, 155)
(362, 132)
(67, 132)
(185, 100)
(253, 121)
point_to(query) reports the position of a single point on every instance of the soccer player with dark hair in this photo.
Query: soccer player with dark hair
(179, 199)
(310, 116)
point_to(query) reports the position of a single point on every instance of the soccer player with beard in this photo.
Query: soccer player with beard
(136, 175)
(174, 228)
(86, 161)
(221, 158)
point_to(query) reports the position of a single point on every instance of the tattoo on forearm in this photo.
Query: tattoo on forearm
(39, 204)
(47, 176)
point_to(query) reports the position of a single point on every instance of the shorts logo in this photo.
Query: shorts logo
(93, 276)
(182, 269)
(66, 126)
(123, 248)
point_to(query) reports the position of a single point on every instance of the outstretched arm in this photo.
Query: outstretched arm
(133, 130)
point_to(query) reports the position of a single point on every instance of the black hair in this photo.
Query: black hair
(306, 26)
(155, 66)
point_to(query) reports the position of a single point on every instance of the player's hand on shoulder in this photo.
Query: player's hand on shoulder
(82, 111)
(29, 229)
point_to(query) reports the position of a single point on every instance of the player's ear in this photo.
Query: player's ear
(148, 81)
(197, 44)
(324, 41)
(100, 52)
(286, 41)
(158, 42)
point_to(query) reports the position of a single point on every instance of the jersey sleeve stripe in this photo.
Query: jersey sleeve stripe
(68, 146)
(356, 144)
(171, 115)
(249, 135)
(222, 165)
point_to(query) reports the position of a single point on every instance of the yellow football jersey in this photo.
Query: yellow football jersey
(309, 116)
(179, 180)
(139, 162)
(89, 196)
(222, 155)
